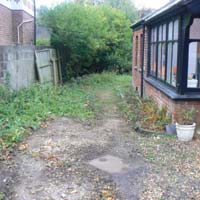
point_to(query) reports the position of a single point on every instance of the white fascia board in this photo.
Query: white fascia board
(26, 5)
(166, 7)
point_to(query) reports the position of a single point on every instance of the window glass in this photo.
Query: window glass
(164, 52)
(164, 32)
(160, 33)
(174, 63)
(152, 35)
(194, 65)
(159, 61)
(153, 59)
(163, 61)
(195, 29)
(176, 27)
(170, 31)
(169, 63)
(155, 34)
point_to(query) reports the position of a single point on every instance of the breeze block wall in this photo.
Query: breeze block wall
(17, 66)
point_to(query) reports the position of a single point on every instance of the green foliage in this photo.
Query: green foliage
(91, 38)
(187, 116)
(142, 112)
(127, 6)
(43, 42)
(26, 109)
(29, 107)
(154, 118)
(1, 196)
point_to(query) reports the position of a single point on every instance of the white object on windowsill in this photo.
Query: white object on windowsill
(192, 83)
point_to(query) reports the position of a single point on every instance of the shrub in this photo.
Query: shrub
(90, 38)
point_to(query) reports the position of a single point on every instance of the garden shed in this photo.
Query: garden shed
(166, 56)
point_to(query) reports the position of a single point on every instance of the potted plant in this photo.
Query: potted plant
(186, 128)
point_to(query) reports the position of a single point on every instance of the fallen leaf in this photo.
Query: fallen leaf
(23, 146)
(73, 192)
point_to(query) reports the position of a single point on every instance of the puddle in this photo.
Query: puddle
(110, 164)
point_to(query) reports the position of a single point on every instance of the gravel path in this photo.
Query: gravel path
(55, 162)
(103, 159)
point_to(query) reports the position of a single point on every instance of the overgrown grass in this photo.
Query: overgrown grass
(26, 109)
(142, 112)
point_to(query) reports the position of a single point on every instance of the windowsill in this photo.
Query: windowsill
(169, 92)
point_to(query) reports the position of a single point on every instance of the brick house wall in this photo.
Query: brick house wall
(6, 35)
(137, 58)
(9, 20)
(175, 107)
(26, 31)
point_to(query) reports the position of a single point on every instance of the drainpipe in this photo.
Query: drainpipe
(142, 66)
(34, 22)
(19, 26)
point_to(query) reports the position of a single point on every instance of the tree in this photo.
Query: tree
(92, 38)
(127, 6)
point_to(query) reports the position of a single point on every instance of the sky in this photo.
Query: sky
(139, 3)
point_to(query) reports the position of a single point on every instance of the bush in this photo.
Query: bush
(91, 38)
(43, 42)
(143, 112)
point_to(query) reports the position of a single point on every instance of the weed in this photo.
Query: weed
(2, 196)
(144, 112)
(26, 109)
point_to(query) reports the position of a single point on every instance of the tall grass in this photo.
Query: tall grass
(27, 108)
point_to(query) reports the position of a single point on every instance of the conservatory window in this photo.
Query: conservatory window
(153, 51)
(172, 49)
(164, 52)
(161, 52)
(193, 80)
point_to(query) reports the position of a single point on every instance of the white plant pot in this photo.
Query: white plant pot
(185, 133)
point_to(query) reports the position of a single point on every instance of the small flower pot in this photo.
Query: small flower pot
(170, 129)
(185, 133)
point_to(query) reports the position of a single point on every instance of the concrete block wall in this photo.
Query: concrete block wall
(17, 66)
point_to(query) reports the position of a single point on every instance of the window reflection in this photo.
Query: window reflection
(194, 29)
(194, 65)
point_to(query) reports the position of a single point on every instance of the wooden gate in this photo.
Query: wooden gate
(48, 66)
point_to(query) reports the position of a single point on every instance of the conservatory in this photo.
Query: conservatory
(166, 56)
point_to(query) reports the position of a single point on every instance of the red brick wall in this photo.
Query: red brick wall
(6, 36)
(175, 108)
(9, 20)
(137, 59)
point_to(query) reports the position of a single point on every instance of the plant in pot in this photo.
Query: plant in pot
(186, 127)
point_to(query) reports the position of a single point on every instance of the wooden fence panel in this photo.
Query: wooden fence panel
(47, 66)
